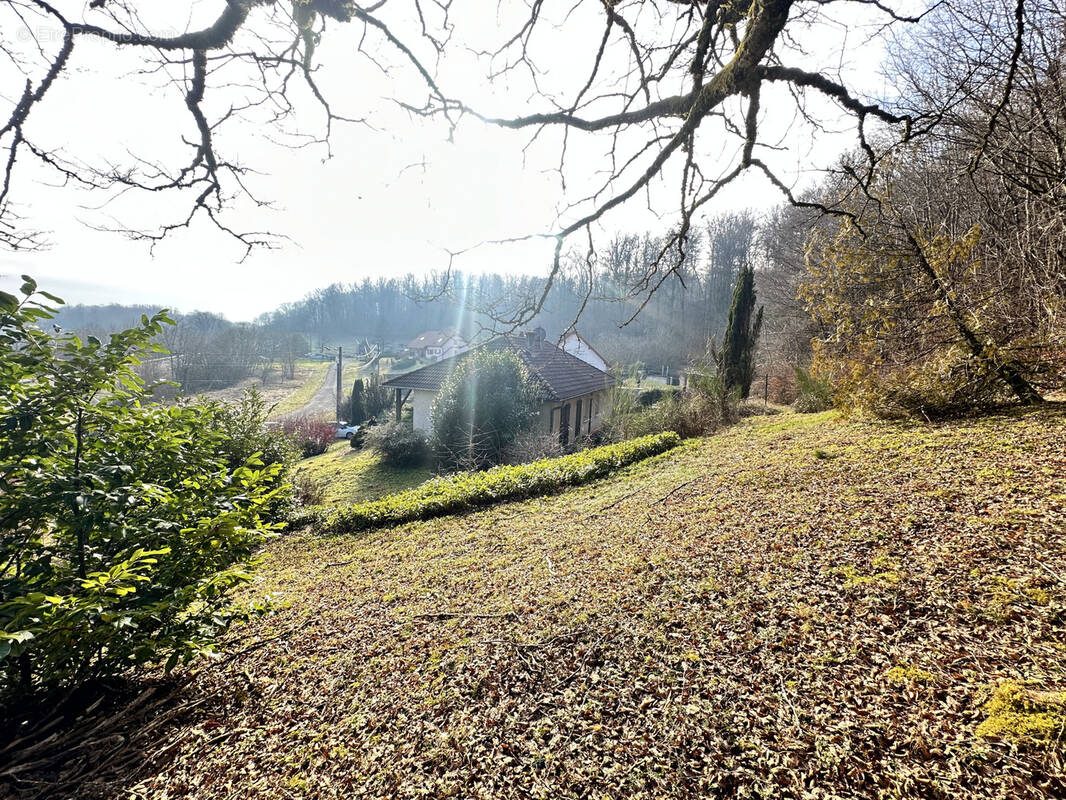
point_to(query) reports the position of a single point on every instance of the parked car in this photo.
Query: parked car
(346, 431)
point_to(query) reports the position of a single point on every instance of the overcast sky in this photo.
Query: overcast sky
(391, 200)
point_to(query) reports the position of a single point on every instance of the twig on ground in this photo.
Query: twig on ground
(673, 491)
(611, 505)
(1051, 572)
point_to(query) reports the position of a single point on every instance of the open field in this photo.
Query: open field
(797, 607)
(287, 396)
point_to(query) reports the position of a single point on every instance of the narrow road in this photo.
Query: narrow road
(324, 403)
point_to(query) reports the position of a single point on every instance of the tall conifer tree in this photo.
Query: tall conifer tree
(741, 333)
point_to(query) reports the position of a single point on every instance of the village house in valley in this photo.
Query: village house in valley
(436, 345)
(573, 391)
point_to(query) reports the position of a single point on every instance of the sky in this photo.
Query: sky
(389, 199)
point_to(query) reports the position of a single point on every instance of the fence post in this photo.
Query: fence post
(766, 390)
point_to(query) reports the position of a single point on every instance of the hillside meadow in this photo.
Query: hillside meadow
(799, 606)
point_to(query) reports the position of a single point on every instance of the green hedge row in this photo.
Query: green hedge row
(468, 490)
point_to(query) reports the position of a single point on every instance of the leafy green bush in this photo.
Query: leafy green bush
(400, 445)
(484, 404)
(124, 525)
(245, 435)
(467, 490)
(814, 394)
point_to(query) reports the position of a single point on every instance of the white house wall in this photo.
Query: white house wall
(453, 348)
(421, 403)
(576, 346)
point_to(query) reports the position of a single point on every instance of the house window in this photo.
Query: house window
(577, 419)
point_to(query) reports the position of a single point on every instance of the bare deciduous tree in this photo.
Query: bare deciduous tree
(674, 90)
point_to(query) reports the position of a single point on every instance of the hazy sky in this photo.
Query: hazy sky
(389, 201)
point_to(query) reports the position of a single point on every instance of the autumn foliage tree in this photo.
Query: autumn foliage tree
(939, 288)
(911, 321)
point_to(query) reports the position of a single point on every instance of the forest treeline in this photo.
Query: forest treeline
(601, 299)
(202, 351)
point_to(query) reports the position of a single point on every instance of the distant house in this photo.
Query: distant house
(436, 345)
(573, 392)
(577, 346)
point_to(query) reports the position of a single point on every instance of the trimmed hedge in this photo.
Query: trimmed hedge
(468, 490)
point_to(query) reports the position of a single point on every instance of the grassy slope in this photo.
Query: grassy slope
(353, 476)
(798, 607)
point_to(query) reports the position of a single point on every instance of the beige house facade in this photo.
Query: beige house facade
(573, 391)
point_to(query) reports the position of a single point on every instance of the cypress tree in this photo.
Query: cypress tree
(357, 412)
(737, 359)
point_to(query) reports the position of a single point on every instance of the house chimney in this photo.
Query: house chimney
(541, 333)
(531, 340)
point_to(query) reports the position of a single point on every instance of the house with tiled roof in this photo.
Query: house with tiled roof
(436, 345)
(574, 343)
(572, 392)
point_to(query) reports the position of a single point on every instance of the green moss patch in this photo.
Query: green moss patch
(1025, 716)
(908, 676)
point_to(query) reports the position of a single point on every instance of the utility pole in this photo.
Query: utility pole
(340, 370)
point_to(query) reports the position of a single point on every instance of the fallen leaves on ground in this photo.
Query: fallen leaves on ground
(797, 607)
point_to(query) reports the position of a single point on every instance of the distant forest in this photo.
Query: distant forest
(661, 322)
(679, 310)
